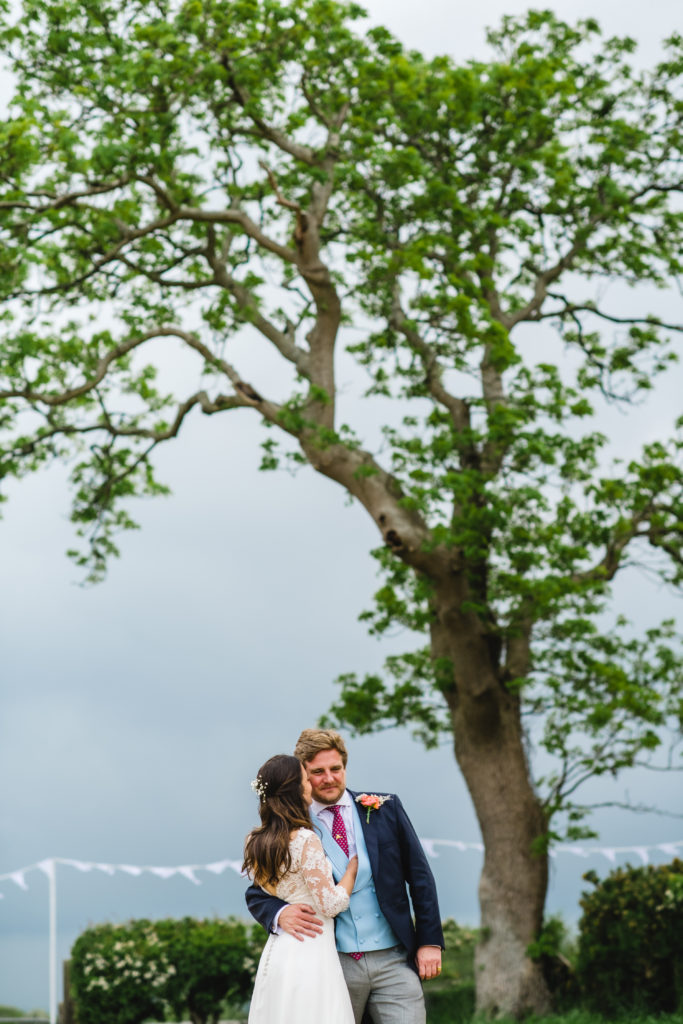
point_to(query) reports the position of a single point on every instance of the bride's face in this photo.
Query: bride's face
(306, 790)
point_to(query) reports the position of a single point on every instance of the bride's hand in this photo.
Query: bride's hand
(348, 879)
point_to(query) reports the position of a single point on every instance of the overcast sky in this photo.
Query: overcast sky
(135, 713)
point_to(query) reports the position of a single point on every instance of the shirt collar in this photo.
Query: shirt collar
(343, 801)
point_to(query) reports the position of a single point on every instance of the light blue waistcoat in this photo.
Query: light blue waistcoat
(363, 926)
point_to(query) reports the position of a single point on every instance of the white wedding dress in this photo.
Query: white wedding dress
(302, 982)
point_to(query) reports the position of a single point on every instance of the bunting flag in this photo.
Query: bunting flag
(189, 871)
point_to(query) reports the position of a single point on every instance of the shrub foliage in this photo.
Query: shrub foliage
(630, 939)
(125, 974)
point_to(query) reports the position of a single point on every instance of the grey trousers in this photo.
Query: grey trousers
(383, 984)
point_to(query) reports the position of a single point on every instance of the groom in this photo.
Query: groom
(382, 952)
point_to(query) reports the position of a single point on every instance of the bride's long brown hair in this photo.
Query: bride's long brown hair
(282, 809)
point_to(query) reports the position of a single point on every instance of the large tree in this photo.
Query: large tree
(175, 173)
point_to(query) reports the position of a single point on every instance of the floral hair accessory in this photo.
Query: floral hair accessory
(259, 786)
(371, 802)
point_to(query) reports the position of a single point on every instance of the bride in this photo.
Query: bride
(298, 982)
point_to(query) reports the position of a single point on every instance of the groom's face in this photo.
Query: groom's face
(327, 776)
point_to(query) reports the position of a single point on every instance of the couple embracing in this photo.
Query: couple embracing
(324, 856)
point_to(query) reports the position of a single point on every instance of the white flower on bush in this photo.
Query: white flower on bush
(124, 964)
(98, 983)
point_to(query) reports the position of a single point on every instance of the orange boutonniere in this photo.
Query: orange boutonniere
(371, 802)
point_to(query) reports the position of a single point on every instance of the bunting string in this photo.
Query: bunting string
(185, 870)
(189, 871)
(609, 852)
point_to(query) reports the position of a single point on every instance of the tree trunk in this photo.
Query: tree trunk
(490, 750)
(513, 883)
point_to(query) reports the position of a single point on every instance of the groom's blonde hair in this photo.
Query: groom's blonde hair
(313, 741)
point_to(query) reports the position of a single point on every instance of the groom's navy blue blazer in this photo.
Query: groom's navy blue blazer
(397, 860)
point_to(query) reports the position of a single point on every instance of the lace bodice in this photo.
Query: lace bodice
(309, 880)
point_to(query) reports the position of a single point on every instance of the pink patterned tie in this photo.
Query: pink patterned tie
(339, 833)
(339, 829)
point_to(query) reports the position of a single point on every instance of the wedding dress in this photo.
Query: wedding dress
(302, 982)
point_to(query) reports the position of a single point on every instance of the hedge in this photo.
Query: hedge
(630, 940)
(142, 970)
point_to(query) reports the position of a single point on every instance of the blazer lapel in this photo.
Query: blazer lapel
(332, 848)
(369, 833)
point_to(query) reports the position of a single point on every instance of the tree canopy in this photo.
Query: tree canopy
(183, 173)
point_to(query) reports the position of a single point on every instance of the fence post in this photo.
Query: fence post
(66, 1009)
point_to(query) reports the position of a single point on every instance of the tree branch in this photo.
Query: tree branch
(403, 530)
(68, 199)
(548, 276)
(62, 398)
(250, 228)
(208, 406)
(128, 235)
(625, 805)
(176, 213)
(247, 301)
(457, 407)
(569, 308)
(608, 566)
(265, 131)
(518, 650)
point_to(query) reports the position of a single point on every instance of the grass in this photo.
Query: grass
(447, 1008)
(585, 1017)
(454, 1011)
(12, 1011)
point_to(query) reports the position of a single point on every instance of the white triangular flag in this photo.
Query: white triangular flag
(108, 869)
(188, 872)
(80, 865)
(578, 851)
(48, 867)
(671, 849)
(130, 869)
(642, 853)
(18, 879)
(218, 866)
(609, 853)
(163, 872)
(428, 847)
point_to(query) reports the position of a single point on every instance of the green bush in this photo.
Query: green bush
(450, 999)
(212, 963)
(629, 955)
(119, 974)
(555, 951)
(458, 958)
(125, 974)
(452, 1004)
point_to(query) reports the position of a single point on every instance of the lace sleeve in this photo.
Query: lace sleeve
(329, 899)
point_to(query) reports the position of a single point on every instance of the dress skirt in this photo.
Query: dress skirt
(301, 982)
